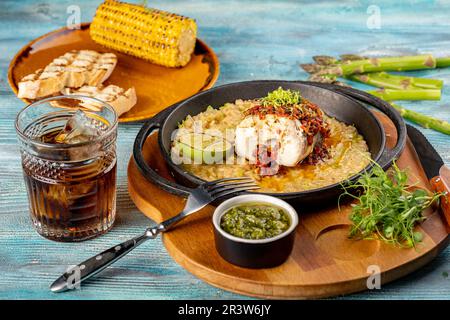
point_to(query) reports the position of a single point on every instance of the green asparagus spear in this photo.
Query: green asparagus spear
(311, 68)
(443, 62)
(351, 57)
(423, 120)
(325, 60)
(325, 78)
(409, 94)
(398, 82)
(426, 61)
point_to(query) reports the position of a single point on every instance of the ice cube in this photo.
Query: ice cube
(78, 129)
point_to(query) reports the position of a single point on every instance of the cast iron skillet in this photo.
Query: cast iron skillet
(345, 104)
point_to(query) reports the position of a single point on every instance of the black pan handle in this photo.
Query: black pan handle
(388, 154)
(147, 129)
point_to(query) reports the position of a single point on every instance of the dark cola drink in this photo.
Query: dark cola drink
(69, 166)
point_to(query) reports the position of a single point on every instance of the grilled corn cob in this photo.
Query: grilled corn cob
(160, 37)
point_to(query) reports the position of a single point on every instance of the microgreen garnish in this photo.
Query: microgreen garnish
(281, 97)
(388, 206)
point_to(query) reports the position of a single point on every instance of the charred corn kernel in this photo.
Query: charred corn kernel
(157, 36)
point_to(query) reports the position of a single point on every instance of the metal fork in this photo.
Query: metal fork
(199, 198)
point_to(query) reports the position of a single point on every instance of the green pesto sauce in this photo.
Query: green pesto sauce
(255, 221)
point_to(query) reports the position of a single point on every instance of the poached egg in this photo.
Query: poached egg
(282, 135)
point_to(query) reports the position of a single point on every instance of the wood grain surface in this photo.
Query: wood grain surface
(253, 40)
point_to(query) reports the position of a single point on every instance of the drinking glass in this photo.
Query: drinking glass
(72, 185)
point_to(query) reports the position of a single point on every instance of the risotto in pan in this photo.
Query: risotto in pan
(283, 141)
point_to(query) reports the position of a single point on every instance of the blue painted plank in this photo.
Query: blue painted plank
(254, 40)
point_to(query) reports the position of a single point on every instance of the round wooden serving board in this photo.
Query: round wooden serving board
(156, 87)
(324, 262)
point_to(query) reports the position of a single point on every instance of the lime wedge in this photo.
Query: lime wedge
(203, 148)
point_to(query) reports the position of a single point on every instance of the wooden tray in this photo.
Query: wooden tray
(157, 87)
(324, 262)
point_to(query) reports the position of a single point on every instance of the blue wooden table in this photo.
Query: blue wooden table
(253, 40)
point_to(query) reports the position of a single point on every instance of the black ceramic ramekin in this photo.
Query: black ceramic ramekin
(263, 253)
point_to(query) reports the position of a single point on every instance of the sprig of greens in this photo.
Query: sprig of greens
(282, 97)
(388, 207)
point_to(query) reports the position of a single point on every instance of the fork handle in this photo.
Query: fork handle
(77, 274)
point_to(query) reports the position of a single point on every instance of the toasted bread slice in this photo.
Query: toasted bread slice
(41, 84)
(121, 100)
(73, 69)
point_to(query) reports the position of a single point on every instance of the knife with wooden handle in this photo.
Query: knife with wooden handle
(435, 169)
